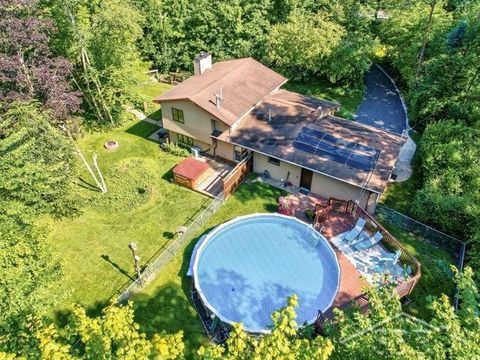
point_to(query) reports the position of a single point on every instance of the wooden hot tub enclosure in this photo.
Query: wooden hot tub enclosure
(191, 172)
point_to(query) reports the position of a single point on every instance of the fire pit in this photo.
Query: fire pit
(111, 144)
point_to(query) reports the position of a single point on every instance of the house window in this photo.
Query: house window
(177, 115)
(273, 161)
(184, 140)
(239, 153)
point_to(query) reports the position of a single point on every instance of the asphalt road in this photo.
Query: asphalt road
(382, 106)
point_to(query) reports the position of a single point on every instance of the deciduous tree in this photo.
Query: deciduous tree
(28, 69)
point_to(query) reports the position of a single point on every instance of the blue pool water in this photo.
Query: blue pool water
(245, 269)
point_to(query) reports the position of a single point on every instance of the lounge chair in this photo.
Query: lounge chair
(366, 242)
(355, 232)
(391, 257)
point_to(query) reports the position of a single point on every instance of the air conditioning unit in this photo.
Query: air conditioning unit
(196, 151)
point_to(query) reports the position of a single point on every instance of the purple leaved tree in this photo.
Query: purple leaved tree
(28, 69)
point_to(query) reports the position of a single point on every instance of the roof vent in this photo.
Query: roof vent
(219, 99)
(202, 62)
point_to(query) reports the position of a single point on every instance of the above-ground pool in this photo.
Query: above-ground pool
(246, 268)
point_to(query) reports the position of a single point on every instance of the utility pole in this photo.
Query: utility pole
(136, 260)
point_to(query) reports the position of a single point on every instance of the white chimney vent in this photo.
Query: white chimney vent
(202, 62)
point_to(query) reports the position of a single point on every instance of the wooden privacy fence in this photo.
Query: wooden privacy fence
(236, 176)
(388, 241)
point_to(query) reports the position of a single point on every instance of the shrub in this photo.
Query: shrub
(175, 149)
(310, 214)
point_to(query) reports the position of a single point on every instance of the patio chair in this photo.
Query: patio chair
(366, 243)
(355, 232)
(391, 257)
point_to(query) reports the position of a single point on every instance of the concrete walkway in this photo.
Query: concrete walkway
(383, 107)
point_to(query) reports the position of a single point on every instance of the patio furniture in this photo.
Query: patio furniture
(391, 257)
(366, 243)
(355, 232)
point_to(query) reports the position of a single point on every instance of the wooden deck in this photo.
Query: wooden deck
(351, 283)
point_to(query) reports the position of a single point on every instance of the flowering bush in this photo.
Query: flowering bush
(284, 206)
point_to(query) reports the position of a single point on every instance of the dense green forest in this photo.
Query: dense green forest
(74, 66)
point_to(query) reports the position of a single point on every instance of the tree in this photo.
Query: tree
(302, 45)
(28, 69)
(100, 39)
(352, 58)
(411, 32)
(283, 342)
(387, 333)
(113, 335)
(38, 163)
(449, 87)
(30, 277)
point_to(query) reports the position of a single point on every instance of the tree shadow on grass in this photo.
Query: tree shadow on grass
(170, 308)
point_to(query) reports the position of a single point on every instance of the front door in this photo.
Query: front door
(306, 179)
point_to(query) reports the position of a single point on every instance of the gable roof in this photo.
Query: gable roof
(291, 113)
(244, 82)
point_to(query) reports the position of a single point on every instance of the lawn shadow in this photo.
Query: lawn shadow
(156, 115)
(143, 129)
(168, 176)
(171, 311)
(86, 185)
(116, 266)
(253, 191)
(168, 235)
(61, 316)
(170, 308)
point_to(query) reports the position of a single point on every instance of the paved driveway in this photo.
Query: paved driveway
(382, 106)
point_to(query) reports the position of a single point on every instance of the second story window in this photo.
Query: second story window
(177, 115)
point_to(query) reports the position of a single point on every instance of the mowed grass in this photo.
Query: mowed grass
(142, 206)
(151, 91)
(349, 98)
(437, 277)
(165, 304)
(400, 195)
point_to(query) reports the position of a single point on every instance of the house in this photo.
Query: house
(234, 108)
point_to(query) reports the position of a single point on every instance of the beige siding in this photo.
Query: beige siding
(198, 122)
(224, 150)
(199, 144)
(328, 187)
(322, 185)
(260, 164)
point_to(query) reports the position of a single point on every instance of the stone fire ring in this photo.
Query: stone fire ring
(111, 144)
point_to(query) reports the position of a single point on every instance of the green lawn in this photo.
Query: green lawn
(165, 304)
(348, 97)
(399, 195)
(141, 205)
(436, 274)
(150, 91)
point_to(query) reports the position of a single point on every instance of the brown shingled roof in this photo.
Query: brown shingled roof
(290, 113)
(244, 82)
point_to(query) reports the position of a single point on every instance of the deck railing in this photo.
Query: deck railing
(389, 241)
(236, 176)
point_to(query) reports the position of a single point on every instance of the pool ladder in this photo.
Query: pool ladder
(312, 239)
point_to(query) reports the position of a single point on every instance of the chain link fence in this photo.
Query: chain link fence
(164, 255)
(453, 246)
